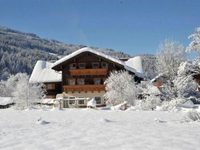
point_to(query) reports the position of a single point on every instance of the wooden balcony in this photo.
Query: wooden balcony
(85, 88)
(99, 71)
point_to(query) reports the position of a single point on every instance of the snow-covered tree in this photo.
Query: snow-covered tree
(9, 86)
(24, 94)
(183, 86)
(169, 57)
(21, 93)
(36, 93)
(2, 88)
(120, 87)
(184, 82)
(195, 42)
(149, 66)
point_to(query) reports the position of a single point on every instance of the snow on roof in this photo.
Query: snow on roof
(6, 100)
(136, 63)
(87, 49)
(159, 76)
(42, 72)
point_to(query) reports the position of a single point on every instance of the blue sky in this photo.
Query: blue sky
(133, 26)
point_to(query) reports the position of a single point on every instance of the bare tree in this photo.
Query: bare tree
(195, 42)
(169, 57)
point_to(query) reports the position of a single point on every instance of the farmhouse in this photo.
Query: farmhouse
(79, 76)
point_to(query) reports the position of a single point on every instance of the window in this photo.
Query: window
(50, 86)
(81, 81)
(71, 81)
(95, 65)
(71, 97)
(72, 66)
(98, 100)
(104, 65)
(97, 81)
(81, 102)
(81, 65)
(71, 102)
(65, 103)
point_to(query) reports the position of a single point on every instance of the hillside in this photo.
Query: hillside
(19, 51)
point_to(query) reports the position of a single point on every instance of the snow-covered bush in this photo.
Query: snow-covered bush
(120, 87)
(192, 115)
(151, 102)
(169, 57)
(147, 88)
(172, 104)
(150, 96)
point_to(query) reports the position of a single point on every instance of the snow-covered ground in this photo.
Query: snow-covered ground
(85, 129)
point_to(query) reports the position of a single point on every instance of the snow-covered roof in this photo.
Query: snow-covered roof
(87, 49)
(136, 63)
(42, 73)
(159, 76)
(6, 100)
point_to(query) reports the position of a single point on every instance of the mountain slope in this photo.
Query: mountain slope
(19, 51)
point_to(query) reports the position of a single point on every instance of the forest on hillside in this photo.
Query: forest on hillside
(19, 51)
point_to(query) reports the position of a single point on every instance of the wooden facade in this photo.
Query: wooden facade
(86, 72)
(83, 88)
(52, 89)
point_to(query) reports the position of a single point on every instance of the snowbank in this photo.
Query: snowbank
(122, 106)
(48, 101)
(6, 101)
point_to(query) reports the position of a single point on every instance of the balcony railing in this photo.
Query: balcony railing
(77, 72)
(79, 88)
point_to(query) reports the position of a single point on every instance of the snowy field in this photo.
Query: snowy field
(83, 129)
